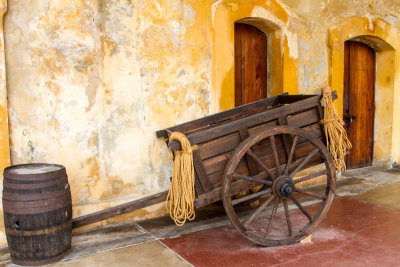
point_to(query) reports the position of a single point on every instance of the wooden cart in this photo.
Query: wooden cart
(256, 158)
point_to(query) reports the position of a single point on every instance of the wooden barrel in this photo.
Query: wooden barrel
(37, 213)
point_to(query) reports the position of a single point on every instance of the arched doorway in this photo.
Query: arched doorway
(385, 40)
(358, 102)
(250, 64)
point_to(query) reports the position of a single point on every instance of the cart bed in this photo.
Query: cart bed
(218, 135)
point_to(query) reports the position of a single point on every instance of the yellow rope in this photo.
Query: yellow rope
(336, 136)
(180, 199)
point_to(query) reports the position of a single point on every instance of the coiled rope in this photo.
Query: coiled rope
(181, 195)
(336, 136)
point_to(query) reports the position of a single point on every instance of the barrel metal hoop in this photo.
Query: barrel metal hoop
(37, 262)
(36, 207)
(32, 197)
(36, 177)
(35, 185)
(45, 231)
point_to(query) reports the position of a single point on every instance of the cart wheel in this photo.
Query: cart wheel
(291, 200)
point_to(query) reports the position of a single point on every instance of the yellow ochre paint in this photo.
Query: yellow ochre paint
(89, 81)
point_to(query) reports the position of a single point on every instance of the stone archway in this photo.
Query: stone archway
(384, 39)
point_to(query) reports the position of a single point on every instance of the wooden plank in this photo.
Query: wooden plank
(216, 194)
(215, 166)
(263, 127)
(219, 146)
(361, 109)
(119, 210)
(217, 163)
(251, 165)
(256, 119)
(242, 185)
(221, 116)
(320, 113)
(250, 64)
(216, 179)
(303, 119)
(197, 185)
(201, 172)
(287, 140)
(289, 99)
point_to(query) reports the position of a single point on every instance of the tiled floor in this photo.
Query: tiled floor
(353, 234)
(361, 229)
(146, 254)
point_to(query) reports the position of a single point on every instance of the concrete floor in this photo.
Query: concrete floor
(361, 229)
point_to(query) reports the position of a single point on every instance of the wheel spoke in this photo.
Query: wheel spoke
(288, 220)
(271, 219)
(251, 196)
(262, 165)
(301, 208)
(311, 176)
(292, 149)
(259, 210)
(304, 162)
(253, 179)
(274, 151)
(310, 193)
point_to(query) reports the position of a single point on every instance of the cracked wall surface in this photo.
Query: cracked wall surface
(90, 81)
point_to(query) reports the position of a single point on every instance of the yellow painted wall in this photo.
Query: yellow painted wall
(89, 82)
(4, 132)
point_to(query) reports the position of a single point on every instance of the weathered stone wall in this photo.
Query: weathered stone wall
(90, 81)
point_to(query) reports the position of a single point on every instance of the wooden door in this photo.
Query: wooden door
(250, 64)
(358, 102)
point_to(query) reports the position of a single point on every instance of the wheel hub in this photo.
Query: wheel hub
(283, 187)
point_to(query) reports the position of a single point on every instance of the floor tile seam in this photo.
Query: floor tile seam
(111, 248)
(159, 240)
(175, 253)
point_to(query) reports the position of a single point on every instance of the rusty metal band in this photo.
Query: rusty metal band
(36, 262)
(32, 197)
(35, 207)
(31, 186)
(45, 231)
(36, 177)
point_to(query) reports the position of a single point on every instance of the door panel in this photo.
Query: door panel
(250, 64)
(358, 102)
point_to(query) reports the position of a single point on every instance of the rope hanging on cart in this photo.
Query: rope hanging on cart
(336, 136)
(181, 195)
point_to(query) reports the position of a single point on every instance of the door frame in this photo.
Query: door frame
(347, 102)
(385, 40)
(284, 72)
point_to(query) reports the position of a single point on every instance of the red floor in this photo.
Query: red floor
(353, 234)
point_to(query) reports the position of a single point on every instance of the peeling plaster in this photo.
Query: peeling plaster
(90, 81)
(260, 12)
(292, 43)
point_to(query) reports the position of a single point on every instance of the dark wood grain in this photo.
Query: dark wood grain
(359, 83)
(256, 119)
(201, 172)
(220, 117)
(250, 64)
(37, 214)
(289, 99)
(119, 210)
(251, 165)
